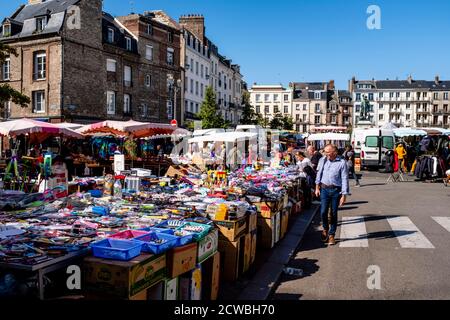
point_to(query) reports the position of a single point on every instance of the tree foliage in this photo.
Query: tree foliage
(7, 93)
(209, 112)
(288, 123)
(249, 116)
(277, 122)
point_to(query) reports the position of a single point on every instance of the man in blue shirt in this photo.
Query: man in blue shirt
(332, 186)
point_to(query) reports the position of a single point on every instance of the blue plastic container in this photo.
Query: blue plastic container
(171, 224)
(115, 249)
(155, 229)
(149, 243)
(185, 239)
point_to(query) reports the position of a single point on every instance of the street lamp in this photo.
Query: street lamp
(175, 86)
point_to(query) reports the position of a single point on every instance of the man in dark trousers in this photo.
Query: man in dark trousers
(349, 156)
(332, 187)
(314, 156)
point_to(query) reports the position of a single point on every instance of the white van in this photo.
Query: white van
(357, 139)
(374, 142)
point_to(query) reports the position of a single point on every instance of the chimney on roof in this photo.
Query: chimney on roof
(410, 79)
(331, 85)
(437, 80)
(195, 23)
(351, 84)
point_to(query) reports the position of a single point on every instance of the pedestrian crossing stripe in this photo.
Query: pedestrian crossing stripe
(443, 221)
(353, 233)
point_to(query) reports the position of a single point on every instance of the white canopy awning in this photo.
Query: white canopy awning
(224, 137)
(406, 132)
(329, 136)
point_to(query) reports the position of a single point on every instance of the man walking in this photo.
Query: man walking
(332, 187)
(349, 156)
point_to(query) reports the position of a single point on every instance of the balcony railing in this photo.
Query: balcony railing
(394, 111)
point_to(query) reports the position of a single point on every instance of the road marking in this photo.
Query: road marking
(408, 235)
(353, 233)
(443, 221)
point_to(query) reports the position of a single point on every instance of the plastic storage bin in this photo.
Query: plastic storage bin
(184, 237)
(116, 249)
(155, 229)
(171, 224)
(198, 230)
(128, 234)
(157, 243)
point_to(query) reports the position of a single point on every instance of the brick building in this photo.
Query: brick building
(80, 64)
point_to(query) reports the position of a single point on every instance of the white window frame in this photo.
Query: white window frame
(6, 30)
(41, 26)
(128, 43)
(317, 95)
(149, 29)
(111, 34)
(126, 103)
(149, 52)
(37, 63)
(111, 65)
(192, 86)
(258, 97)
(275, 98)
(127, 76)
(111, 102)
(445, 95)
(170, 58)
(41, 103)
(6, 69)
(297, 107)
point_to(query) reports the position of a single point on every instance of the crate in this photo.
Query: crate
(128, 234)
(181, 259)
(171, 224)
(267, 209)
(269, 231)
(116, 249)
(251, 221)
(246, 244)
(151, 245)
(208, 245)
(155, 229)
(203, 229)
(184, 237)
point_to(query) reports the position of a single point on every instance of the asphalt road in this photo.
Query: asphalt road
(392, 243)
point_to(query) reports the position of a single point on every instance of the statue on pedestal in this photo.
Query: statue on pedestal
(365, 108)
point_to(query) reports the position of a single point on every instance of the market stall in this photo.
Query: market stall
(321, 139)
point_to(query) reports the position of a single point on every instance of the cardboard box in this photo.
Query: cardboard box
(231, 229)
(285, 200)
(229, 259)
(208, 245)
(191, 285)
(123, 279)
(156, 292)
(247, 239)
(211, 277)
(181, 260)
(284, 222)
(252, 222)
(269, 231)
(253, 248)
(171, 289)
(268, 209)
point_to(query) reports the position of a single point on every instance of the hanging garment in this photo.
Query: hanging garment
(395, 162)
(435, 166)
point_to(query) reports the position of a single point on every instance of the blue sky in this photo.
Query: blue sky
(316, 40)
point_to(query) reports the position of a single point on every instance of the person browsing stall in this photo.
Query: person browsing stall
(332, 187)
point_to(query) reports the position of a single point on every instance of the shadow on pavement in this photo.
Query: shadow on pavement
(355, 202)
(372, 184)
(365, 218)
(380, 235)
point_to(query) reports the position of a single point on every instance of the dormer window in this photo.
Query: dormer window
(110, 35)
(6, 30)
(149, 29)
(41, 22)
(128, 40)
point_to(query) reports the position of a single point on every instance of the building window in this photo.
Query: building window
(128, 42)
(304, 117)
(258, 109)
(149, 52)
(144, 111)
(408, 106)
(333, 119)
(297, 107)
(286, 97)
(192, 65)
(286, 109)
(317, 95)
(41, 22)
(317, 120)
(408, 117)
(111, 65)
(6, 70)
(297, 117)
(111, 102)
(192, 86)
(408, 94)
(192, 107)
(149, 29)
(358, 97)
(148, 81)
(39, 102)
(436, 95)
(445, 95)
(196, 67)
(275, 109)
(266, 97)
(275, 98)
(196, 88)
(201, 90)
(40, 65)
(6, 30)
(196, 108)
(170, 56)
(317, 108)
(266, 109)
(357, 108)
(258, 97)
(110, 35)
(201, 71)
(170, 36)
(391, 95)
(127, 76)
(381, 107)
(370, 96)
(425, 94)
(397, 94)
(381, 94)
(381, 117)
(206, 73)
(304, 107)
(126, 104)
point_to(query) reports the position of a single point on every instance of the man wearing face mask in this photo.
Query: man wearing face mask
(332, 186)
